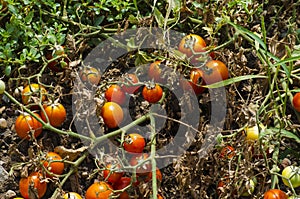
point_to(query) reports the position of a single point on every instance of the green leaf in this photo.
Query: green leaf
(233, 80)
(287, 134)
(159, 17)
(29, 17)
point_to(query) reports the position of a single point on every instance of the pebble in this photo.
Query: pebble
(3, 123)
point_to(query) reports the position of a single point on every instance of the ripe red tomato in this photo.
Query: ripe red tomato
(296, 102)
(158, 175)
(33, 90)
(275, 194)
(122, 184)
(152, 93)
(56, 114)
(145, 167)
(134, 143)
(90, 75)
(191, 41)
(72, 195)
(99, 190)
(112, 114)
(113, 176)
(33, 184)
(227, 152)
(54, 164)
(214, 71)
(25, 123)
(129, 83)
(114, 93)
(155, 72)
(196, 81)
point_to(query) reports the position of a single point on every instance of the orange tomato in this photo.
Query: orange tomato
(90, 75)
(112, 114)
(54, 164)
(196, 81)
(121, 184)
(134, 143)
(114, 93)
(145, 167)
(25, 123)
(158, 176)
(99, 190)
(152, 93)
(56, 114)
(296, 102)
(214, 71)
(130, 80)
(113, 176)
(33, 184)
(33, 90)
(155, 72)
(227, 152)
(190, 43)
(275, 194)
(159, 196)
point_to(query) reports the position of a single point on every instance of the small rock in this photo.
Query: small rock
(3, 123)
(10, 194)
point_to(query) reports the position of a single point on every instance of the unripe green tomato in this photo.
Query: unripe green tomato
(292, 173)
(2, 86)
(249, 186)
(294, 197)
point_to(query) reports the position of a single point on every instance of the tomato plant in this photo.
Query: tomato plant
(56, 114)
(112, 114)
(25, 122)
(33, 90)
(31, 185)
(90, 75)
(122, 184)
(54, 164)
(112, 176)
(134, 143)
(158, 176)
(275, 194)
(293, 174)
(129, 83)
(114, 93)
(214, 71)
(227, 152)
(2, 87)
(72, 195)
(191, 44)
(296, 101)
(152, 93)
(99, 190)
(155, 72)
(145, 167)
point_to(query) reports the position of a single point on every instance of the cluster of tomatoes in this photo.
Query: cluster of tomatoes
(116, 181)
(53, 113)
(206, 70)
(290, 174)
